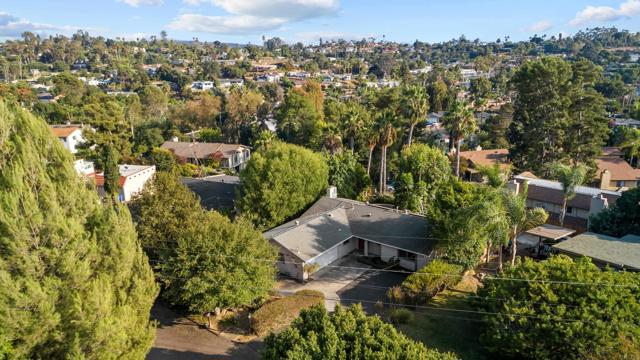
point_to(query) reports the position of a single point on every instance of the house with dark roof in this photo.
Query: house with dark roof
(620, 253)
(231, 156)
(333, 228)
(548, 195)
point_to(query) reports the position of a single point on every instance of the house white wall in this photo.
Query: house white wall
(325, 258)
(346, 247)
(72, 141)
(387, 252)
(136, 182)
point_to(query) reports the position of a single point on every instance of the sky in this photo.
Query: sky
(247, 21)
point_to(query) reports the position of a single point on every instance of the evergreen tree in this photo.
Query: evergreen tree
(348, 176)
(344, 334)
(111, 172)
(75, 283)
(279, 182)
(203, 259)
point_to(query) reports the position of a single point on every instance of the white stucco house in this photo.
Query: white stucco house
(70, 135)
(334, 228)
(133, 179)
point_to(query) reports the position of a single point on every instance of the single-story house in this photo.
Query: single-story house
(133, 179)
(621, 253)
(548, 195)
(229, 155)
(69, 134)
(334, 227)
(483, 158)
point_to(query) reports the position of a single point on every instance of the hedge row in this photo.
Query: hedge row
(431, 279)
(281, 312)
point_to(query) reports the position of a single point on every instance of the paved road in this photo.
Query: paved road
(178, 338)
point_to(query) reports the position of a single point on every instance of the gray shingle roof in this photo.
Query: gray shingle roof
(331, 221)
(624, 251)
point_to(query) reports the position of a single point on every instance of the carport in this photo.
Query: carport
(549, 233)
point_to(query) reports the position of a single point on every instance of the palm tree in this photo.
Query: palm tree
(372, 142)
(570, 177)
(265, 138)
(631, 146)
(460, 123)
(387, 135)
(415, 107)
(354, 123)
(332, 139)
(520, 218)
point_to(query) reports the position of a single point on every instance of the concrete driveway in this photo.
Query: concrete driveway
(179, 338)
(357, 281)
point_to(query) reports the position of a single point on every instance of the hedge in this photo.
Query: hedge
(431, 279)
(281, 312)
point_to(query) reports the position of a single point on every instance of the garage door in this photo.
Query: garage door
(325, 259)
(374, 249)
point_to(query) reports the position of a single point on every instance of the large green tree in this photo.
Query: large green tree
(348, 176)
(344, 334)
(557, 114)
(202, 258)
(75, 283)
(279, 182)
(621, 218)
(562, 309)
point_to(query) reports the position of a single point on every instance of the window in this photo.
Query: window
(405, 255)
(620, 183)
(569, 209)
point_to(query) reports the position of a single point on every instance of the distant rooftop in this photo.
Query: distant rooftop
(63, 131)
(556, 185)
(128, 170)
(621, 252)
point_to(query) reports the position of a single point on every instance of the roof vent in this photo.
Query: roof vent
(368, 215)
(297, 222)
(330, 215)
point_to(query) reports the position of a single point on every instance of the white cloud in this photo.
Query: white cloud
(540, 26)
(627, 9)
(251, 16)
(136, 3)
(11, 26)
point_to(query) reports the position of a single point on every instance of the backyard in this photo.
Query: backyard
(445, 330)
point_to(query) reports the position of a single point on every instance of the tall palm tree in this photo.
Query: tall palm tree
(372, 142)
(415, 107)
(520, 218)
(354, 123)
(332, 139)
(570, 177)
(388, 134)
(460, 123)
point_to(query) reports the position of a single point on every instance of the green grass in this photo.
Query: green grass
(449, 331)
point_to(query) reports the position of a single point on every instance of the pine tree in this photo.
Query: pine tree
(75, 283)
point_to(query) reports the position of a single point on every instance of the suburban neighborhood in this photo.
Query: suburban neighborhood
(320, 180)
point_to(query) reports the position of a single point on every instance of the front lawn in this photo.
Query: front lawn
(449, 330)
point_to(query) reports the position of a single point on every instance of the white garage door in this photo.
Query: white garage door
(326, 258)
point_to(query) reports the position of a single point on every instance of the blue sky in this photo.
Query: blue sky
(246, 21)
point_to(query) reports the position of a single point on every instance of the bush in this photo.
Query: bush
(401, 316)
(281, 312)
(188, 170)
(347, 333)
(431, 279)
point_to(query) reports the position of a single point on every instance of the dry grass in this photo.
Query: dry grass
(281, 312)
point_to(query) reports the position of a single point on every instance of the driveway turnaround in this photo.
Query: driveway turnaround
(348, 280)
(181, 339)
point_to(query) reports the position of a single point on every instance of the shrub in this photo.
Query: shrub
(401, 316)
(431, 279)
(281, 312)
(188, 170)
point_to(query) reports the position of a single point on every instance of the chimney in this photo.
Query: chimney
(605, 179)
(332, 192)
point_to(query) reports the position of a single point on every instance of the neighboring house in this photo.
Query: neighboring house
(620, 253)
(202, 85)
(70, 135)
(133, 179)
(232, 156)
(84, 168)
(548, 194)
(216, 192)
(614, 172)
(633, 123)
(483, 158)
(333, 228)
